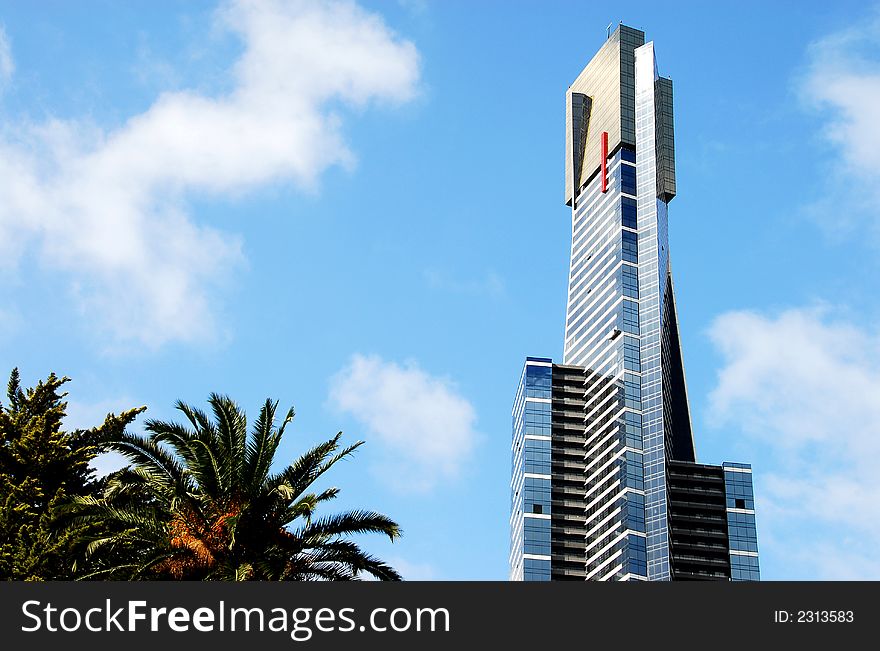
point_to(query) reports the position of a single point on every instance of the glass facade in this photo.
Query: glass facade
(603, 303)
(653, 269)
(613, 253)
(530, 474)
(592, 446)
(741, 530)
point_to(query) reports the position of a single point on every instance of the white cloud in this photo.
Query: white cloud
(425, 427)
(109, 209)
(805, 386)
(844, 76)
(845, 560)
(6, 65)
(842, 84)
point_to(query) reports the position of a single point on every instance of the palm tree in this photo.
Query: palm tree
(199, 501)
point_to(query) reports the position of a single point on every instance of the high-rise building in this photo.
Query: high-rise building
(605, 483)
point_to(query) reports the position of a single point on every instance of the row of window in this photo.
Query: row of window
(537, 457)
(630, 317)
(539, 381)
(634, 470)
(589, 320)
(627, 179)
(635, 511)
(738, 487)
(536, 570)
(632, 386)
(537, 418)
(630, 246)
(744, 568)
(623, 154)
(628, 214)
(742, 532)
(629, 280)
(636, 555)
(633, 429)
(536, 536)
(631, 355)
(740, 503)
(536, 495)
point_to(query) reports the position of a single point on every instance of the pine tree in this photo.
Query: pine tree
(43, 467)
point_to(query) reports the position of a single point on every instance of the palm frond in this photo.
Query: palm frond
(198, 419)
(231, 437)
(207, 471)
(144, 452)
(199, 501)
(304, 471)
(178, 437)
(348, 523)
(263, 445)
(350, 554)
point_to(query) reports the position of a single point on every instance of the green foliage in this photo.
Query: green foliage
(43, 467)
(200, 501)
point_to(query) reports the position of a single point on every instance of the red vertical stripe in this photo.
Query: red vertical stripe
(604, 161)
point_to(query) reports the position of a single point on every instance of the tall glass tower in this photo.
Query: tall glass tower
(605, 484)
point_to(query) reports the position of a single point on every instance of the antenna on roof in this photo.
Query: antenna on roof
(608, 30)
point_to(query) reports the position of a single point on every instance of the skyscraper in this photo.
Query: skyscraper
(605, 483)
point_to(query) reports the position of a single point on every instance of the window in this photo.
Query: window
(637, 556)
(630, 317)
(628, 215)
(738, 486)
(536, 536)
(536, 570)
(537, 418)
(632, 385)
(744, 568)
(536, 495)
(741, 532)
(630, 281)
(633, 429)
(635, 512)
(537, 457)
(538, 381)
(630, 247)
(631, 361)
(628, 179)
(634, 470)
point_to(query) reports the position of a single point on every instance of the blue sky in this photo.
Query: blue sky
(357, 209)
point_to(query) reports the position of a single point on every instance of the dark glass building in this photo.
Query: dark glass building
(605, 484)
